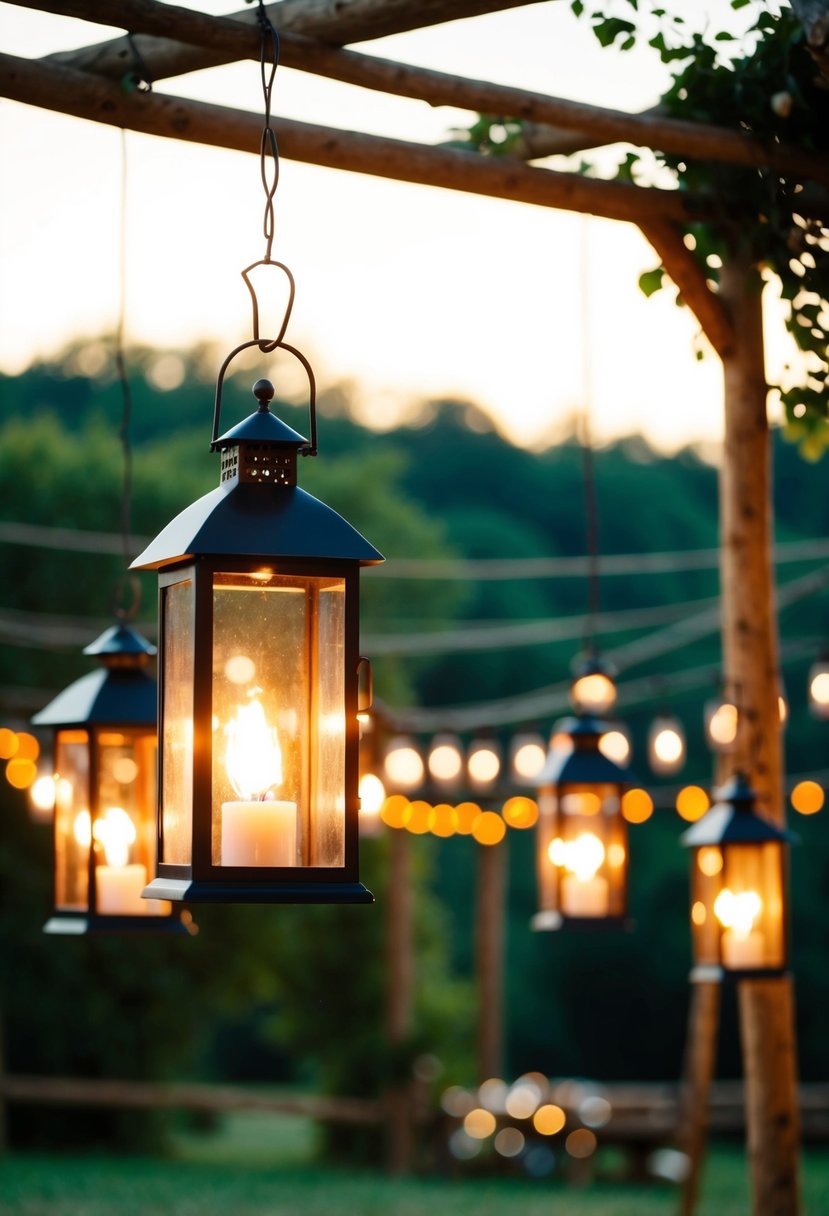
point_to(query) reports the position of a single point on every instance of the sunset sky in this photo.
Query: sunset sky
(404, 291)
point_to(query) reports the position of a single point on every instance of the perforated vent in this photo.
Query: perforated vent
(230, 463)
(266, 464)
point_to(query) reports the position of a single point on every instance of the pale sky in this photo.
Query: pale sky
(405, 291)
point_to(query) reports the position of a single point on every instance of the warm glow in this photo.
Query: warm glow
(479, 1123)
(116, 832)
(520, 812)
(509, 1142)
(709, 861)
(372, 794)
(594, 693)
(722, 725)
(445, 762)
(124, 770)
(42, 794)
(416, 817)
(807, 797)
(489, 828)
(587, 802)
(82, 829)
(394, 811)
(8, 743)
(466, 816)
(581, 856)
(484, 765)
(691, 803)
(782, 709)
(668, 746)
(637, 806)
(549, 1120)
(616, 746)
(253, 758)
(522, 1100)
(738, 912)
(21, 773)
(616, 855)
(528, 760)
(698, 913)
(28, 747)
(581, 1143)
(404, 766)
(442, 820)
(240, 669)
(560, 741)
(818, 690)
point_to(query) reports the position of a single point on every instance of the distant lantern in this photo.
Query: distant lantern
(738, 888)
(582, 842)
(259, 671)
(528, 754)
(819, 687)
(483, 763)
(445, 761)
(403, 767)
(104, 793)
(666, 745)
(593, 685)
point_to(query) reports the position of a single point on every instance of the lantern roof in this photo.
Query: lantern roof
(585, 764)
(241, 519)
(120, 640)
(111, 696)
(262, 427)
(734, 819)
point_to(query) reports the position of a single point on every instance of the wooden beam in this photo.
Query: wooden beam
(85, 96)
(237, 40)
(334, 21)
(686, 272)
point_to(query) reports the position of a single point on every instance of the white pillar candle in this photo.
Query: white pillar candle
(584, 897)
(119, 888)
(259, 833)
(743, 949)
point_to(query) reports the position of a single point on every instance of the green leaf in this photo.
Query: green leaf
(651, 281)
(578, 7)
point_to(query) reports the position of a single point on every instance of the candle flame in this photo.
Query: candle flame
(581, 856)
(253, 758)
(116, 832)
(738, 912)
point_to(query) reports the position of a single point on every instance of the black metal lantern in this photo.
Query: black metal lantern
(259, 678)
(582, 840)
(738, 888)
(104, 810)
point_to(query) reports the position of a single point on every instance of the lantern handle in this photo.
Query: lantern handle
(267, 344)
(308, 449)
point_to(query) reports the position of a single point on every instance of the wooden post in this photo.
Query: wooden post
(400, 984)
(751, 669)
(698, 1073)
(489, 956)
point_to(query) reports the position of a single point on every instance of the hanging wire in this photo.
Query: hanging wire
(585, 438)
(268, 150)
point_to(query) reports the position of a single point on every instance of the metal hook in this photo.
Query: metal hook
(269, 344)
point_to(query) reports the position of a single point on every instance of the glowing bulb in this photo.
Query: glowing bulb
(403, 765)
(722, 724)
(253, 758)
(581, 856)
(42, 794)
(116, 832)
(372, 794)
(445, 759)
(484, 764)
(666, 745)
(616, 746)
(819, 689)
(528, 758)
(82, 829)
(738, 912)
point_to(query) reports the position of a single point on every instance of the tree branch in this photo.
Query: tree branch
(689, 277)
(85, 96)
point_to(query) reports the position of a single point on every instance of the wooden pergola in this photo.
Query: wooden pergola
(171, 41)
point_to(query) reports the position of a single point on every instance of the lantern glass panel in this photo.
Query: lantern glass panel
(706, 886)
(177, 715)
(278, 720)
(73, 825)
(582, 851)
(750, 906)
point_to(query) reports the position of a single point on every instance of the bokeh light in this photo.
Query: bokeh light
(42, 795)
(581, 1143)
(509, 1142)
(8, 743)
(692, 802)
(637, 805)
(721, 724)
(403, 765)
(21, 773)
(483, 764)
(489, 828)
(442, 820)
(808, 797)
(548, 1120)
(709, 861)
(520, 812)
(28, 747)
(528, 757)
(372, 794)
(445, 759)
(479, 1123)
(466, 816)
(394, 811)
(416, 817)
(616, 746)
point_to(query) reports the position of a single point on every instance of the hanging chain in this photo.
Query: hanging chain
(591, 508)
(268, 151)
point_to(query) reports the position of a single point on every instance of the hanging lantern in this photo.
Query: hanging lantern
(445, 761)
(738, 888)
(666, 745)
(819, 687)
(527, 756)
(721, 717)
(593, 686)
(104, 793)
(581, 842)
(483, 763)
(258, 663)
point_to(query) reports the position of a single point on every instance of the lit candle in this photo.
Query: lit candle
(118, 885)
(583, 891)
(743, 946)
(258, 829)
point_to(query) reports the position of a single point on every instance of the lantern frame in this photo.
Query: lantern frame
(119, 697)
(569, 772)
(258, 524)
(743, 842)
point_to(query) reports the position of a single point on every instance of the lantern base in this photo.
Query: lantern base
(199, 892)
(713, 973)
(552, 921)
(80, 924)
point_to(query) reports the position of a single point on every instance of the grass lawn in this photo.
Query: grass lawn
(262, 1166)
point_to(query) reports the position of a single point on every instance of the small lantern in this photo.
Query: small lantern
(259, 679)
(582, 846)
(593, 686)
(104, 793)
(666, 745)
(738, 888)
(819, 687)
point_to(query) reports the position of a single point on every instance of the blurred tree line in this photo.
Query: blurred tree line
(297, 994)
